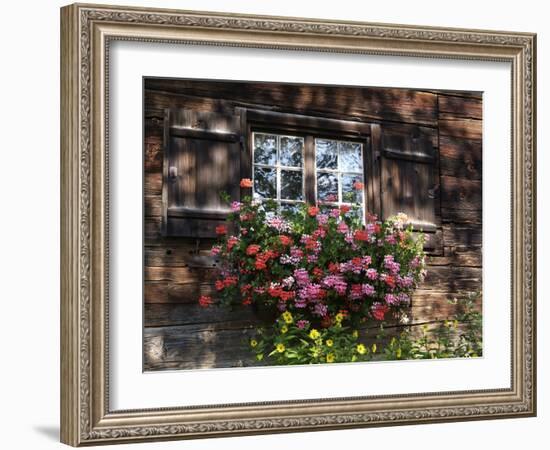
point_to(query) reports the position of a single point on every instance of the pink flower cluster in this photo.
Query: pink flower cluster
(334, 265)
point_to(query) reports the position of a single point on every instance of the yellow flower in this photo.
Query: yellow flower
(287, 317)
(284, 329)
(315, 352)
(355, 334)
(329, 342)
(447, 324)
(314, 334)
(455, 324)
(398, 353)
(330, 357)
(339, 317)
(259, 356)
(361, 349)
(253, 343)
(280, 348)
(373, 348)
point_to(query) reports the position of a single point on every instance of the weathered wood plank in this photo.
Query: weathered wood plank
(462, 236)
(400, 105)
(461, 216)
(175, 256)
(153, 154)
(460, 127)
(453, 279)
(460, 157)
(429, 306)
(478, 95)
(179, 274)
(152, 183)
(460, 106)
(154, 127)
(152, 205)
(167, 292)
(157, 101)
(461, 193)
(197, 347)
(176, 314)
(467, 258)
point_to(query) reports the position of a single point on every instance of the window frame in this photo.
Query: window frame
(278, 167)
(310, 127)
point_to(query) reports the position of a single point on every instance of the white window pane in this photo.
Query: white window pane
(326, 154)
(265, 149)
(291, 151)
(291, 185)
(352, 188)
(265, 182)
(327, 187)
(350, 157)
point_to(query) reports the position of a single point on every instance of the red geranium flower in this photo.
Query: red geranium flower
(246, 183)
(313, 211)
(285, 240)
(358, 185)
(361, 235)
(389, 280)
(274, 291)
(219, 285)
(231, 242)
(230, 281)
(261, 260)
(379, 311)
(221, 229)
(345, 209)
(205, 301)
(318, 272)
(287, 295)
(252, 249)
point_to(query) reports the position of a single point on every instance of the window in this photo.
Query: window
(339, 173)
(278, 170)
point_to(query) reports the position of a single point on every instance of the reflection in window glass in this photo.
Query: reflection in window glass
(265, 182)
(339, 173)
(278, 168)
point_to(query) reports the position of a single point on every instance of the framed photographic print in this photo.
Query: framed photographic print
(277, 224)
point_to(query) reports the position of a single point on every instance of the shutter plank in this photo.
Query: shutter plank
(203, 161)
(407, 173)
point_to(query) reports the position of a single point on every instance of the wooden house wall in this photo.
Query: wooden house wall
(180, 334)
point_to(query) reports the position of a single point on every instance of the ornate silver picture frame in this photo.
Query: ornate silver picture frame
(87, 32)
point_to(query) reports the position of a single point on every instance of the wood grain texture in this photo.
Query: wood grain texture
(460, 157)
(462, 193)
(178, 270)
(460, 106)
(400, 105)
(450, 125)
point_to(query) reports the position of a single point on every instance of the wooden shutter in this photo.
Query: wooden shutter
(201, 160)
(409, 178)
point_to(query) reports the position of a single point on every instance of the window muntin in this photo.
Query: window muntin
(338, 170)
(279, 173)
(278, 168)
